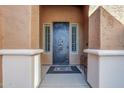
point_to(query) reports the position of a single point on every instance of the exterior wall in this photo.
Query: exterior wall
(112, 32)
(111, 71)
(105, 68)
(0, 71)
(105, 28)
(92, 9)
(102, 69)
(93, 70)
(19, 28)
(16, 26)
(116, 11)
(72, 14)
(21, 71)
(1, 40)
(85, 25)
(35, 27)
(105, 32)
(94, 30)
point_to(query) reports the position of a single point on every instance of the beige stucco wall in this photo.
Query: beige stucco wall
(94, 30)
(19, 28)
(114, 10)
(0, 71)
(72, 14)
(85, 26)
(85, 12)
(1, 40)
(16, 26)
(35, 35)
(110, 26)
(112, 31)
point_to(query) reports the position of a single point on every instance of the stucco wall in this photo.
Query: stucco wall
(94, 30)
(1, 39)
(112, 31)
(85, 25)
(72, 14)
(16, 26)
(35, 35)
(12, 27)
(0, 71)
(19, 28)
(85, 12)
(106, 29)
(116, 11)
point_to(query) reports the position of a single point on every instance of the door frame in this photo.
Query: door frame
(51, 39)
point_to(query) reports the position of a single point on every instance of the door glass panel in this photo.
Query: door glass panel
(47, 37)
(74, 37)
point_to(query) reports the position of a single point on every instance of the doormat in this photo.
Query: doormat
(63, 69)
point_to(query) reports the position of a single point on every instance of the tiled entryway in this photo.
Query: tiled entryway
(71, 80)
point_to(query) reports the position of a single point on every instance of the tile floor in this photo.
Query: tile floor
(64, 81)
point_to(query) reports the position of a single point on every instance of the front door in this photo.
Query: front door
(60, 43)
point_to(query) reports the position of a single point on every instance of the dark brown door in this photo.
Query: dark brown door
(60, 43)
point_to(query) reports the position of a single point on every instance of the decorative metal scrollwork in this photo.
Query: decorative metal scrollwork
(60, 44)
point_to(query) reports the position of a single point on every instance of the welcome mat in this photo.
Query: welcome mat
(63, 69)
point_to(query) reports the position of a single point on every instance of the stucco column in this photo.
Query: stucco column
(19, 28)
(106, 45)
(21, 68)
(105, 68)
